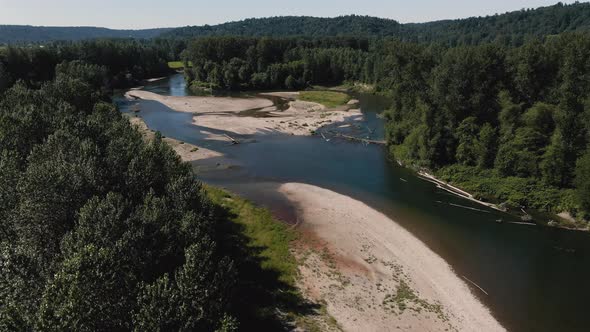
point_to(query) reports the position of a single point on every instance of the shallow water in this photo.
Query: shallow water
(537, 278)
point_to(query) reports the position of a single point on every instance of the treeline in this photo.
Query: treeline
(294, 26)
(126, 61)
(274, 63)
(26, 34)
(519, 115)
(99, 230)
(509, 29)
(513, 28)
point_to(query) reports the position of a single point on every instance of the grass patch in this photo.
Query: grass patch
(266, 298)
(178, 64)
(405, 298)
(263, 231)
(329, 99)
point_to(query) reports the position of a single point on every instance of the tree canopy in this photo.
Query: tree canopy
(512, 28)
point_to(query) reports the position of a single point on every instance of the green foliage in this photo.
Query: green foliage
(194, 300)
(467, 147)
(95, 221)
(5, 79)
(267, 268)
(123, 62)
(512, 28)
(583, 182)
(553, 168)
(175, 65)
(92, 291)
(237, 63)
(26, 34)
(486, 146)
(330, 99)
(514, 191)
(263, 231)
(520, 113)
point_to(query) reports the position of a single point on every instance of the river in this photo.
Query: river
(537, 278)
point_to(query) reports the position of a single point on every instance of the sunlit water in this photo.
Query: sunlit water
(537, 278)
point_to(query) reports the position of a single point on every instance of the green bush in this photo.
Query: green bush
(514, 191)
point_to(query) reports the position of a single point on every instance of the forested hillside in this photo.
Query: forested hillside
(512, 28)
(512, 122)
(283, 26)
(25, 34)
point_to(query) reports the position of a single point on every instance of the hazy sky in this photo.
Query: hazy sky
(172, 13)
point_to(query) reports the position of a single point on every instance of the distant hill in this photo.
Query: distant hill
(509, 28)
(13, 34)
(295, 26)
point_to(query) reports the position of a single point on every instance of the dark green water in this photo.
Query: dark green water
(538, 278)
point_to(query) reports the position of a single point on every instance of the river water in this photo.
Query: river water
(537, 278)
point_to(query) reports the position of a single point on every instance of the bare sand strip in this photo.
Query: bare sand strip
(224, 113)
(192, 104)
(373, 274)
(199, 157)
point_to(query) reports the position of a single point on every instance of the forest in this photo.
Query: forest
(101, 230)
(511, 123)
(513, 28)
(126, 62)
(26, 34)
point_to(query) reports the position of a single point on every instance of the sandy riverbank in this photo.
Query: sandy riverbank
(200, 105)
(373, 274)
(199, 157)
(227, 114)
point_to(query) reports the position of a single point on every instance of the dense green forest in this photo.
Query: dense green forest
(513, 122)
(512, 28)
(25, 34)
(101, 230)
(273, 63)
(125, 62)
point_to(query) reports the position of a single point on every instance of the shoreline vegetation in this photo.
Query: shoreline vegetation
(526, 198)
(469, 187)
(486, 190)
(270, 241)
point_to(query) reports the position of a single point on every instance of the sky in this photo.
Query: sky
(139, 14)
